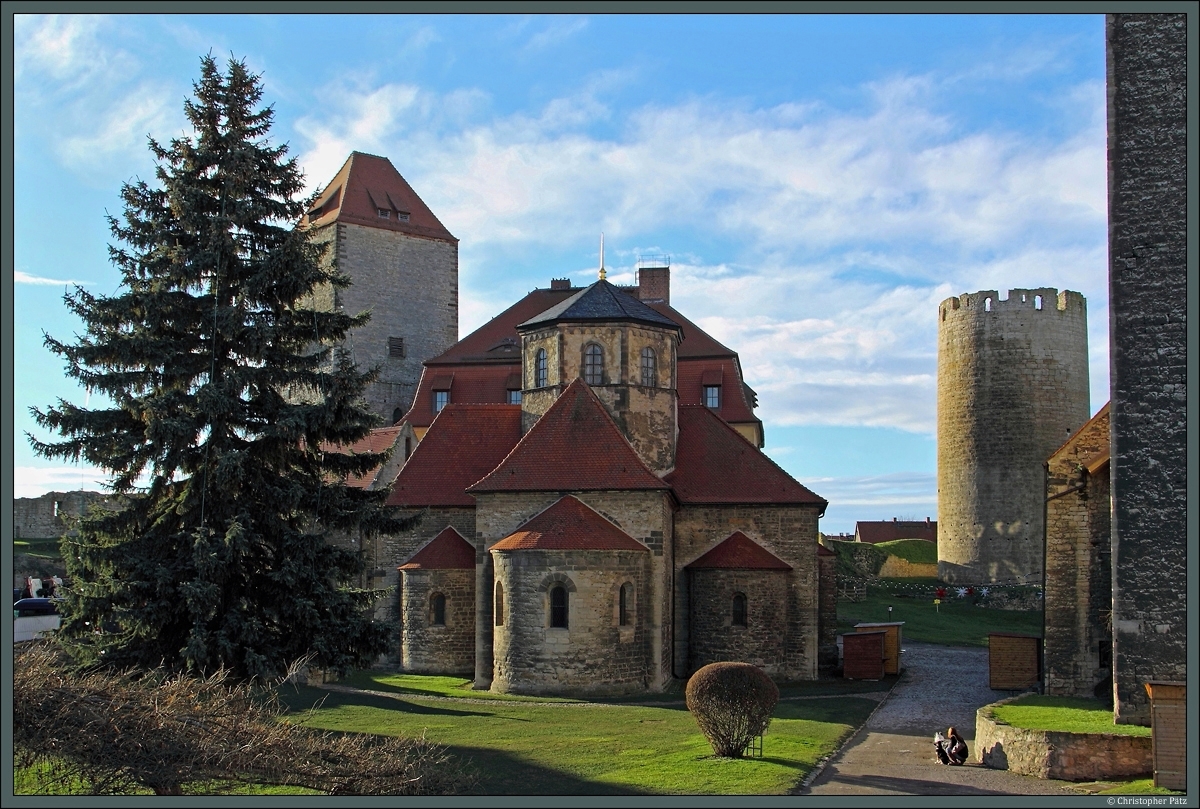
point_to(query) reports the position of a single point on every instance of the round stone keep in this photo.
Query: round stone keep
(1012, 387)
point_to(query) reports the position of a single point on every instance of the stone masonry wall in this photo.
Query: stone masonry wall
(1078, 590)
(1058, 755)
(646, 516)
(593, 654)
(48, 516)
(410, 286)
(1148, 308)
(714, 637)
(1012, 386)
(428, 648)
(789, 532)
(827, 613)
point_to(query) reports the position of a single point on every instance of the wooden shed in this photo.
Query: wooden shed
(1014, 661)
(892, 642)
(862, 654)
(1168, 722)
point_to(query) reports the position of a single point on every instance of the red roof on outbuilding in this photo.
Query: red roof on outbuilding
(574, 446)
(446, 551)
(366, 184)
(715, 464)
(463, 444)
(887, 530)
(569, 525)
(740, 552)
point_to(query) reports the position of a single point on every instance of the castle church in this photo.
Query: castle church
(597, 516)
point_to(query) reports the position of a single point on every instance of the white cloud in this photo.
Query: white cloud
(34, 481)
(25, 278)
(851, 226)
(909, 489)
(119, 134)
(558, 31)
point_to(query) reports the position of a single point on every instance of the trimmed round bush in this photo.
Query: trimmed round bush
(732, 703)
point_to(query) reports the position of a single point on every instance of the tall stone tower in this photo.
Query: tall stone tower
(404, 267)
(1012, 387)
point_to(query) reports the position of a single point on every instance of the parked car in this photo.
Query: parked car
(34, 617)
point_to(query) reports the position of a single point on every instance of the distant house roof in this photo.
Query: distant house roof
(447, 551)
(740, 552)
(887, 530)
(464, 443)
(569, 525)
(574, 446)
(601, 302)
(378, 440)
(367, 184)
(715, 464)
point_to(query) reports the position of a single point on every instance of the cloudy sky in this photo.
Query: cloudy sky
(820, 183)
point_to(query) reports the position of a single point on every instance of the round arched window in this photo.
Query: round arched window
(558, 606)
(739, 609)
(438, 610)
(593, 364)
(539, 369)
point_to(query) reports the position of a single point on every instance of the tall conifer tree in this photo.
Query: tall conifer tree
(220, 557)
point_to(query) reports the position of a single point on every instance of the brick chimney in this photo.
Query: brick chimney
(654, 284)
(560, 283)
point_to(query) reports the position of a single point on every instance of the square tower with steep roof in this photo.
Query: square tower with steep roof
(403, 263)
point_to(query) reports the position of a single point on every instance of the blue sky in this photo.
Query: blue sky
(821, 183)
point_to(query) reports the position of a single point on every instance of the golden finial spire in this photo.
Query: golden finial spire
(601, 256)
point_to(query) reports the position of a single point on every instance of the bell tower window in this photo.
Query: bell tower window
(649, 368)
(593, 364)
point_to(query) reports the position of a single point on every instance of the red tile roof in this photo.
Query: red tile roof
(569, 525)
(463, 444)
(446, 551)
(574, 446)
(886, 530)
(740, 552)
(378, 440)
(715, 464)
(693, 375)
(471, 384)
(367, 183)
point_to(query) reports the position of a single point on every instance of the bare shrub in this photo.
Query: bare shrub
(732, 703)
(108, 734)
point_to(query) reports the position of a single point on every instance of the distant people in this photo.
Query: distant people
(951, 748)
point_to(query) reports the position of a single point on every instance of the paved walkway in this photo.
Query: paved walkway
(892, 754)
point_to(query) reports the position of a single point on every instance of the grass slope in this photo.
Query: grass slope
(522, 748)
(917, 551)
(955, 622)
(1068, 714)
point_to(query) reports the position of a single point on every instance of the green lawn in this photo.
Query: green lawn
(917, 551)
(955, 622)
(1138, 786)
(44, 548)
(1068, 714)
(591, 748)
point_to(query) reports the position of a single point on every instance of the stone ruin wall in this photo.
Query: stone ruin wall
(1012, 386)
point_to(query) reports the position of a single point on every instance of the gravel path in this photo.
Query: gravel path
(892, 754)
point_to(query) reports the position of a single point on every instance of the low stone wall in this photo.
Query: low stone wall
(896, 568)
(1056, 754)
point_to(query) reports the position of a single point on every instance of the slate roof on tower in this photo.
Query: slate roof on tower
(740, 552)
(446, 551)
(463, 444)
(601, 302)
(715, 464)
(574, 446)
(569, 525)
(367, 184)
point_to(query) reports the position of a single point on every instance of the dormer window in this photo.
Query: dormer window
(441, 398)
(384, 213)
(402, 216)
(712, 396)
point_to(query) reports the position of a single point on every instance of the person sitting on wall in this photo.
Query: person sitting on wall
(951, 748)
